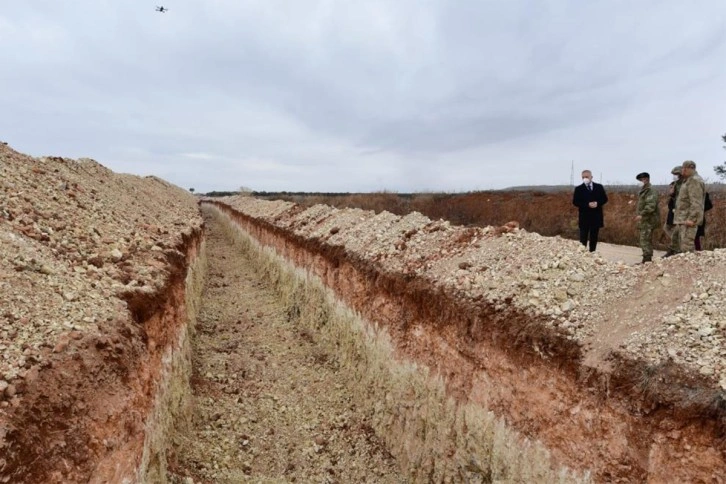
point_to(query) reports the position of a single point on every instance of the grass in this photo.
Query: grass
(433, 438)
(548, 213)
(170, 415)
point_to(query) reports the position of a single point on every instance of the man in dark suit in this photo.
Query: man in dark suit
(589, 198)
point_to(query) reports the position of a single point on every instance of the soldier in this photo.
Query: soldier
(689, 206)
(648, 216)
(701, 232)
(670, 228)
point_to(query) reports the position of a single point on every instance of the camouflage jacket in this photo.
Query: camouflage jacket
(672, 197)
(648, 206)
(691, 196)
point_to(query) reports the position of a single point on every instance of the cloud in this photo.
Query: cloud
(339, 96)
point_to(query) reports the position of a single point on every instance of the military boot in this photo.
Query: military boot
(647, 258)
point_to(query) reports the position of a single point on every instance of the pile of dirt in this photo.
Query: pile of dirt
(671, 310)
(82, 250)
(547, 212)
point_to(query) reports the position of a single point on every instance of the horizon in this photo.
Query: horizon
(334, 96)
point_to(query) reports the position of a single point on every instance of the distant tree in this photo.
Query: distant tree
(721, 169)
(245, 192)
(191, 190)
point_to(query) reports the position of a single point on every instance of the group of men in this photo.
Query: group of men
(687, 203)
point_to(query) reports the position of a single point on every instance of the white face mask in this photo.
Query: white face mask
(586, 180)
(676, 177)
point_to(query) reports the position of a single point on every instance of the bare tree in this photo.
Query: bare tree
(721, 169)
(245, 192)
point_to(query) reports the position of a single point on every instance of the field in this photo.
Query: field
(547, 213)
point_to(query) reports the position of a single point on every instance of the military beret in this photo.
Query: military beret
(689, 164)
(676, 170)
(642, 175)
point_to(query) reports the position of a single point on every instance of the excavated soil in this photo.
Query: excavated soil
(269, 402)
(98, 275)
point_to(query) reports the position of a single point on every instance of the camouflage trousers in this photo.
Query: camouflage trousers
(687, 237)
(646, 240)
(673, 233)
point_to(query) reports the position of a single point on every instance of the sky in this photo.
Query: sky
(343, 95)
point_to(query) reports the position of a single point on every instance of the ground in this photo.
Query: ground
(269, 404)
(625, 253)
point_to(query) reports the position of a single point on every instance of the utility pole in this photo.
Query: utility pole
(572, 173)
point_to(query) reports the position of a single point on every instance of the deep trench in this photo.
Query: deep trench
(269, 400)
(306, 365)
(403, 408)
(472, 408)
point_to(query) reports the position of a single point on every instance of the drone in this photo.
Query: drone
(162, 9)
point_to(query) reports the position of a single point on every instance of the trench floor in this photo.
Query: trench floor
(269, 403)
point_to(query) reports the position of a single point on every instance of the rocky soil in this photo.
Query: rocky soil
(672, 310)
(75, 240)
(269, 403)
(78, 244)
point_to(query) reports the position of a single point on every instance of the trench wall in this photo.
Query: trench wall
(479, 392)
(108, 409)
(171, 410)
(169, 324)
(434, 437)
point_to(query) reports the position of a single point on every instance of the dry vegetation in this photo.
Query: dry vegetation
(547, 213)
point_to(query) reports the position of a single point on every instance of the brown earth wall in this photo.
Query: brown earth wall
(104, 409)
(637, 424)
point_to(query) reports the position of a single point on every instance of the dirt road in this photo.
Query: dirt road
(625, 253)
(269, 404)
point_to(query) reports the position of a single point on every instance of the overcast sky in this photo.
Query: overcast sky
(344, 95)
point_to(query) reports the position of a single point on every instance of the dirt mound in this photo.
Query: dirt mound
(84, 255)
(545, 212)
(672, 310)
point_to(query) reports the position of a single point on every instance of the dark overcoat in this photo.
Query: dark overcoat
(590, 217)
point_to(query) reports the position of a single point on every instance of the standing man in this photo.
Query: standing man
(701, 232)
(689, 206)
(670, 227)
(647, 216)
(589, 199)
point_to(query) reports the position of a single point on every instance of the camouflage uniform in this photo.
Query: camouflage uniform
(670, 228)
(689, 206)
(650, 219)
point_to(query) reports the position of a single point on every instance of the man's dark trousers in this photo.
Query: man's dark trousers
(591, 234)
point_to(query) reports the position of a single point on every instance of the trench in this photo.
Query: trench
(402, 406)
(268, 358)
(271, 399)
(460, 398)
